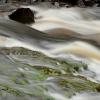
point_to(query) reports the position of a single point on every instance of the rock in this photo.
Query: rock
(79, 3)
(89, 3)
(23, 15)
(98, 3)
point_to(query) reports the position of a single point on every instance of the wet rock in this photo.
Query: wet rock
(41, 62)
(23, 15)
(79, 3)
(89, 3)
(30, 74)
(98, 3)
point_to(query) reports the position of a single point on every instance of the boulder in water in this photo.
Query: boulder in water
(23, 15)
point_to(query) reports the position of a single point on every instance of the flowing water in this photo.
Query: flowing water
(60, 61)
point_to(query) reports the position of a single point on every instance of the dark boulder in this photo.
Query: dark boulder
(23, 15)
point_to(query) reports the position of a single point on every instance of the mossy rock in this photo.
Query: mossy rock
(71, 85)
(41, 61)
(21, 79)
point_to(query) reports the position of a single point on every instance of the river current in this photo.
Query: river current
(55, 58)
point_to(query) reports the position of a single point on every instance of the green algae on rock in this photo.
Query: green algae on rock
(27, 74)
(41, 61)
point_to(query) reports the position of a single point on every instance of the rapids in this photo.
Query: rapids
(57, 58)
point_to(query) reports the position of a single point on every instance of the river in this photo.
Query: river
(55, 58)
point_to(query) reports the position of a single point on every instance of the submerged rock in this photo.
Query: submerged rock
(48, 65)
(28, 75)
(23, 15)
